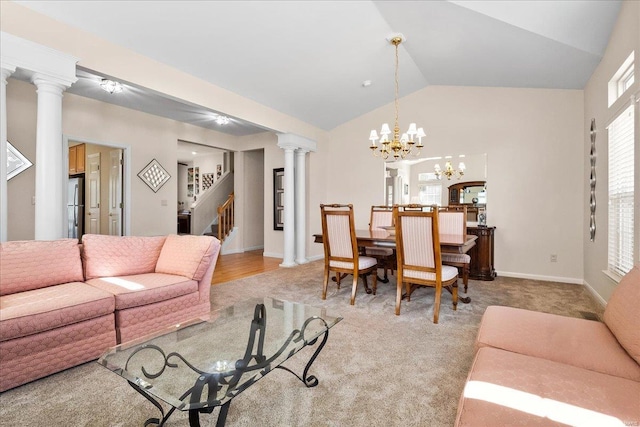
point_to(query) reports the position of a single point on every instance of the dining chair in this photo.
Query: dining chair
(453, 222)
(341, 249)
(382, 216)
(419, 258)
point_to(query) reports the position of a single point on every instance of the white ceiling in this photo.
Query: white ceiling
(308, 59)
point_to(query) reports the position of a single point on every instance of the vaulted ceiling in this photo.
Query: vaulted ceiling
(309, 59)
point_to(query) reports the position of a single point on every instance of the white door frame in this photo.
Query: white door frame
(126, 172)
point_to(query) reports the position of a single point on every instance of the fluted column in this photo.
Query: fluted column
(50, 194)
(289, 209)
(5, 71)
(300, 202)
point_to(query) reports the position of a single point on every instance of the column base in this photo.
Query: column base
(302, 261)
(288, 264)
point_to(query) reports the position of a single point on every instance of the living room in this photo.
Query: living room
(536, 143)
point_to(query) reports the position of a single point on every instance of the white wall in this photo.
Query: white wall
(625, 38)
(533, 140)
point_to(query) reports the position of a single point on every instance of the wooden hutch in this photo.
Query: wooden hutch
(466, 194)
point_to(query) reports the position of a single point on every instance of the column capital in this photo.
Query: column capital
(49, 84)
(294, 142)
(6, 70)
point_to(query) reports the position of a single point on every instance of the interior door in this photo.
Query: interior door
(115, 193)
(92, 202)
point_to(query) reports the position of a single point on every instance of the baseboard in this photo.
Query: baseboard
(315, 258)
(273, 255)
(571, 280)
(595, 295)
(253, 248)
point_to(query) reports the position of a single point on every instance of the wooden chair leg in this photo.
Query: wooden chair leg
(398, 296)
(325, 284)
(465, 277)
(375, 281)
(353, 289)
(436, 306)
(455, 296)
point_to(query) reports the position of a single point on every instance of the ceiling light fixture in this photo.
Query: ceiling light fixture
(398, 146)
(449, 171)
(111, 86)
(222, 120)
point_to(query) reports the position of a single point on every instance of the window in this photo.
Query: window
(621, 80)
(621, 199)
(430, 194)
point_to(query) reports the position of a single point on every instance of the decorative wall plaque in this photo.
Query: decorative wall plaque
(16, 162)
(154, 175)
(592, 182)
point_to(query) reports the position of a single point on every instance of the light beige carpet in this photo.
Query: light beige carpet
(377, 369)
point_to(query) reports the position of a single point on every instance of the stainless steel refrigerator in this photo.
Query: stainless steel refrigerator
(75, 207)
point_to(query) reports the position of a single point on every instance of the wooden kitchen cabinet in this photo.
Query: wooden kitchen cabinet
(482, 267)
(77, 159)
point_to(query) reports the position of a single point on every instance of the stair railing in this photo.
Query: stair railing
(225, 218)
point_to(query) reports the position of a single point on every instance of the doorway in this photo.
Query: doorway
(104, 172)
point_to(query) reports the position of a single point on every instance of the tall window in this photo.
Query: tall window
(430, 194)
(621, 179)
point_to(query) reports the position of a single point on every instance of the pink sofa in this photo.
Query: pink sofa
(539, 369)
(62, 304)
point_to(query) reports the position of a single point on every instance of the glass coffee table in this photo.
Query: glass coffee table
(200, 365)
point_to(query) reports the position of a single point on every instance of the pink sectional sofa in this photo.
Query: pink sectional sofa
(539, 369)
(62, 304)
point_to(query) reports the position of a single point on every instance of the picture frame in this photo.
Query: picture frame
(154, 175)
(278, 199)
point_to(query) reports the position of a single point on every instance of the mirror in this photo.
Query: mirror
(415, 180)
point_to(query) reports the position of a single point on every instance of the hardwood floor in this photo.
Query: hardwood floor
(237, 266)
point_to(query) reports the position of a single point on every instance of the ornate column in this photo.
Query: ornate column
(5, 71)
(289, 209)
(52, 72)
(295, 233)
(301, 211)
(50, 191)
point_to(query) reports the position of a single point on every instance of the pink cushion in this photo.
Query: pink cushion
(107, 256)
(511, 389)
(583, 343)
(142, 289)
(622, 314)
(187, 256)
(49, 308)
(33, 264)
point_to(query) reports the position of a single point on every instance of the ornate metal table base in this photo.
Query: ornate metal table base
(228, 380)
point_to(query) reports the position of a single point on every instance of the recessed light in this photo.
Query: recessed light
(194, 152)
(366, 83)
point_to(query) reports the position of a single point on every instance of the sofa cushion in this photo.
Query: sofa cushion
(33, 264)
(511, 389)
(44, 309)
(107, 256)
(583, 343)
(622, 314)
(143, 289)
(187, 256)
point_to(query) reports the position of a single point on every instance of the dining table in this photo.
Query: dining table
(449, 243)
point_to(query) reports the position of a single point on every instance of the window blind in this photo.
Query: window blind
(621, 182)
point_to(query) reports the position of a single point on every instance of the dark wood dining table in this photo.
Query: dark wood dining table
(449, 243)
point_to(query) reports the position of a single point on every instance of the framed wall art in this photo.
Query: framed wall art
(16, 162)
(154, 175)
(278, 199)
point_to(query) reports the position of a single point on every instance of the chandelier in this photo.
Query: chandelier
(399, 146)
(449, 171)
